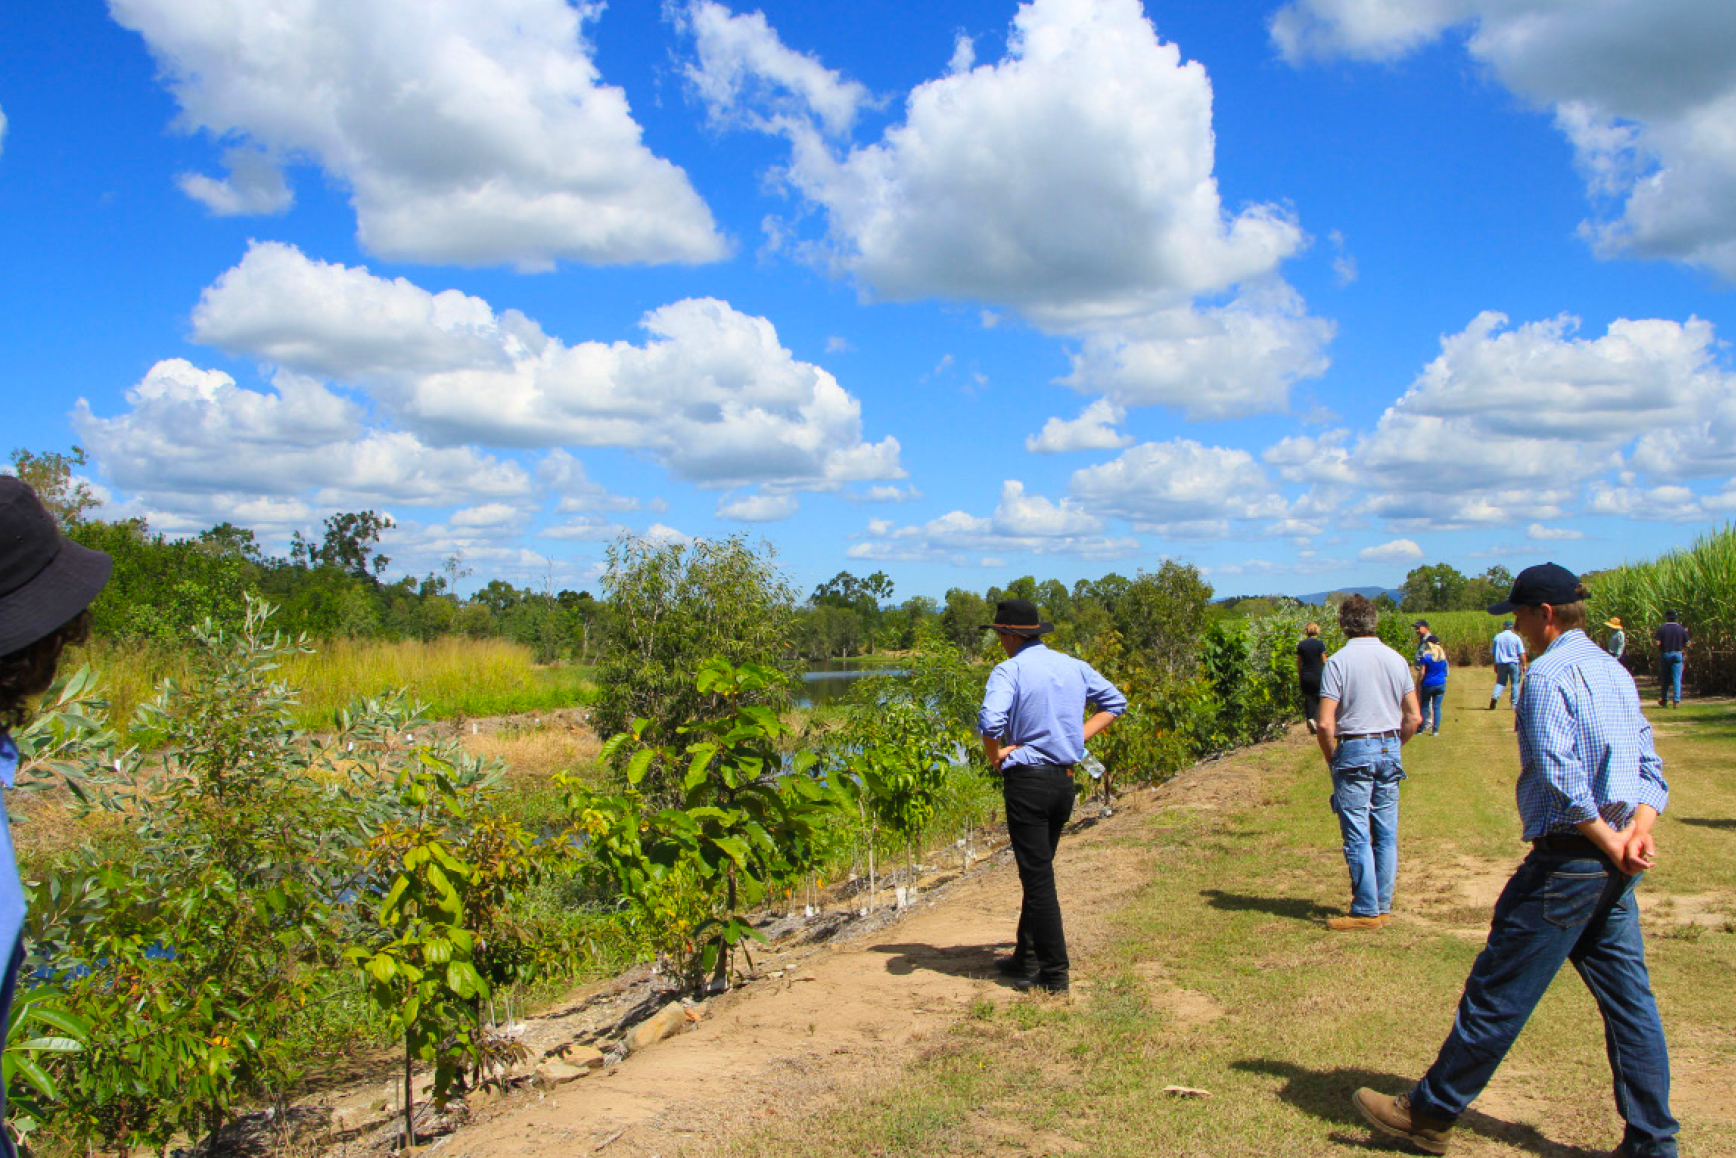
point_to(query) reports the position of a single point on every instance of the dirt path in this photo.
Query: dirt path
(829, 1018)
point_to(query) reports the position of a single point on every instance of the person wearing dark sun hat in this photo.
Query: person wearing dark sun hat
(1590, 788)
(1034, 730)
(46, 583)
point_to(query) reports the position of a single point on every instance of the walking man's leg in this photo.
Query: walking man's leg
(1352, 791)
(1383, 829)
(1527, 946)
(1035, 816)
(1611, 959)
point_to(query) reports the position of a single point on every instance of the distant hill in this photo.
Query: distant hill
(1318, 598)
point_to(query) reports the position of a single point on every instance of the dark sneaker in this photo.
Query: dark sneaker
(1014, 967)
(1059, 983)
(1393, 1116)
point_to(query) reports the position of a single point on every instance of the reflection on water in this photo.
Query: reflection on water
(829, 681)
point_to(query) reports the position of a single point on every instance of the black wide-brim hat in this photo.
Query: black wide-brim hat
(45, 578)
(1018, 617)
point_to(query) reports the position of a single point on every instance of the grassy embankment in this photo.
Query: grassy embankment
(1282, 1019)
(453, 676)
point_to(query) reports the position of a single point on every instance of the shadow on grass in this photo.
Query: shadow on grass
(1295, 908)
(1706, 822)
(954, 960)
(1325, 1094)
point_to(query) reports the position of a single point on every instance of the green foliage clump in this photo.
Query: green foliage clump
(201, 945)
(694, 868)
(672, 607)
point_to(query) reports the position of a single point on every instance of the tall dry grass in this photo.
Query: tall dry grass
(453, 676)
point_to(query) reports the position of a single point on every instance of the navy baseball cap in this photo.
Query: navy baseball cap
(1420, 623)
(1548, 583)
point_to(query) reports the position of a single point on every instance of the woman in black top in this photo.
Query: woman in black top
(1310, 662)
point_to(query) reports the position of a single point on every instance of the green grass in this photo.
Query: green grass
(1233, 913)
(453, 676)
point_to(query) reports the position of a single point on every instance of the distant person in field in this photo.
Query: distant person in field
(1034, 729)
(1672, 640)
(1590, 788)
(1616, 644)
(1431, 668)
(1310, 662)
(1368, 711)
(1424, 638)
(46, 582)
(1508, 652)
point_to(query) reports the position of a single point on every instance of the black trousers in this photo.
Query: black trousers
(1311, 698)
(1039, 802)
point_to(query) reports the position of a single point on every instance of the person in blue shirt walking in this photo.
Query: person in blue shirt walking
(1431, 668)
(1590, 788)
(1034, 730)
(46, 582)
(1508, 651)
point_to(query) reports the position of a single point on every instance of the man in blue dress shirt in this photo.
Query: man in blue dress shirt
(1034, 729)
(46, 582)
(1590, 788)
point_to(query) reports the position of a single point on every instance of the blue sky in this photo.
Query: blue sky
(1305, 292)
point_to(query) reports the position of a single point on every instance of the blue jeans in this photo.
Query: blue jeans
(1562, 907)
(1671, 677)
(1431, 699)
(1365, 776)
(1507, 675)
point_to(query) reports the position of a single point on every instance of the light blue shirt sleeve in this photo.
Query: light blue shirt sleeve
(997, 701)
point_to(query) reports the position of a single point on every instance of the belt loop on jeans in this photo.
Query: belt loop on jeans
(1368, 736)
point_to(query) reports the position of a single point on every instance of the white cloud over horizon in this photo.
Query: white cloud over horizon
(485, 135)
(712, 395)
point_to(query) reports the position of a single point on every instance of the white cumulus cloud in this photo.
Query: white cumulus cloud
(196, 446)
(757, 508)
(1645, 91)
(1538, 533)
(1094, 429)
(712, 394)
(1071, 180)
(1022, 523)
(1180, 488)
(467, 133)
(1397, 551)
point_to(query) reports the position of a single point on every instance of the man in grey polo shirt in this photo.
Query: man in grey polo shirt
(1368, 710)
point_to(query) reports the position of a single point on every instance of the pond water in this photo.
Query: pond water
(829, 681)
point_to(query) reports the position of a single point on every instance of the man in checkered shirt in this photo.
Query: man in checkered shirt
(1590, 788)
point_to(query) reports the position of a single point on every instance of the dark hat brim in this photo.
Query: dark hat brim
(58, 592)
(1506, 608)
(1028, 630)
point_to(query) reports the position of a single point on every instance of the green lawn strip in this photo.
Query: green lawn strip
(1233, 916)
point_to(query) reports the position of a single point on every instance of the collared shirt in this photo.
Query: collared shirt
(1036, 699)
(1369, 681)
(1508, 647)
(1584, 748)
(1617, 642)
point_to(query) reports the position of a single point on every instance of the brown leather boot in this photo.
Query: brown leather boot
(1393, 1116)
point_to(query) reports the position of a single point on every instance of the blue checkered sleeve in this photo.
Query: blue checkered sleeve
(1585, 748)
